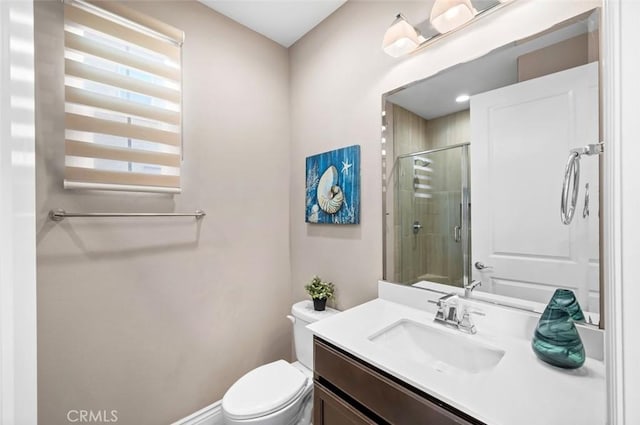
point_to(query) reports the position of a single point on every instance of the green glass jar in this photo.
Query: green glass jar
(556, 339)
(566, 298)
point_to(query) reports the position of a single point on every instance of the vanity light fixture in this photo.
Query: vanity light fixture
(463, 98)
(401, 38)
(447, 15)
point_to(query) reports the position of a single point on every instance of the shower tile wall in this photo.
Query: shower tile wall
(428, 255)
(409, 135)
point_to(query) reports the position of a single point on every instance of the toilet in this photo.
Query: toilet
(278, 393)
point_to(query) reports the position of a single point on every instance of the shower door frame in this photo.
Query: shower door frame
(465, 202)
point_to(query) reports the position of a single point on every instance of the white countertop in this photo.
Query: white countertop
(519, 390)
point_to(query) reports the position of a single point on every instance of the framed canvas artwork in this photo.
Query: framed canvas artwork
(333, 187)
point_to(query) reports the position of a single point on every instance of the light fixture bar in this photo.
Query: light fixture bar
(424, 42)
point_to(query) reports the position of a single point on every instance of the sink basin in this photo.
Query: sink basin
(444, 350)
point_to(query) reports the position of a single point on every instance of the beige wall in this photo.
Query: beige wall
(338, 74)
(567, 54)
(155, 318)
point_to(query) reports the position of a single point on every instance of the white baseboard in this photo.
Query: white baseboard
(210, 415)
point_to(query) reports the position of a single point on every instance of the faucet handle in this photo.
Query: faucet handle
(452, 309)
(453, 314)
(447, 305)
(466, 325)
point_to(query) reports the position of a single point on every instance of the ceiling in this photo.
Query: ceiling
(284, 22)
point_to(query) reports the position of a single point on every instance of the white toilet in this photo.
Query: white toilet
(278, 393)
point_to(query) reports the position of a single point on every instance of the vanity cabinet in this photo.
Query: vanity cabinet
(331, 409)
(348, 391)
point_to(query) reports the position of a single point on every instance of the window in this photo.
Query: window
(122, 100)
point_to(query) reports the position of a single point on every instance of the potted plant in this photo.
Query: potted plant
(320, 292)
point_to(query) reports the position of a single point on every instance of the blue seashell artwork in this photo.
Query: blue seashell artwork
(333, 187)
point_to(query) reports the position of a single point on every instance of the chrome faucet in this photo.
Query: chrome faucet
(447, 309)
(468, 288)
(447, 314)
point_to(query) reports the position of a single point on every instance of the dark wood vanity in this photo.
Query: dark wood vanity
(348, 391)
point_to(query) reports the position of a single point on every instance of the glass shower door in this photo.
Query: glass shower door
(432, 214)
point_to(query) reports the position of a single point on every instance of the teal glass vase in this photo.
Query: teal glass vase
(567, 299)
(556, 340)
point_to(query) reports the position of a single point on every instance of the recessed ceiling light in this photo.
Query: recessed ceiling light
(463, 98)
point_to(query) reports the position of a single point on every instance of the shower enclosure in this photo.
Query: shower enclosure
(431, 216)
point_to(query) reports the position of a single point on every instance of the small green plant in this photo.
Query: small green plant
(319, 289)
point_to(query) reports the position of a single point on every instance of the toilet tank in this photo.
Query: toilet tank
(304, 314)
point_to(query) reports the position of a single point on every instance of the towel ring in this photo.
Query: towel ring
(572, 177)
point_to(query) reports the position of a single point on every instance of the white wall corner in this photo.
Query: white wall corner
(18, 367)
(210, 415)
(622, 207)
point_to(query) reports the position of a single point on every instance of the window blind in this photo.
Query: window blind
(123, 123)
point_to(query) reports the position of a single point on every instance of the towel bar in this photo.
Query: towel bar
(60, 214)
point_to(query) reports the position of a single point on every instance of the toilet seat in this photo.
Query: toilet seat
(264, 390)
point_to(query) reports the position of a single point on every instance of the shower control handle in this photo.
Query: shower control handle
(416, 227)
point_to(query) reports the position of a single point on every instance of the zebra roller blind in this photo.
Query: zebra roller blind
(122, 99)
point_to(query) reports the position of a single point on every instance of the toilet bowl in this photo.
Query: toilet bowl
(278, 393)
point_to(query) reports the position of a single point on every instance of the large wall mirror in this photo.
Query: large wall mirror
(475, 159)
